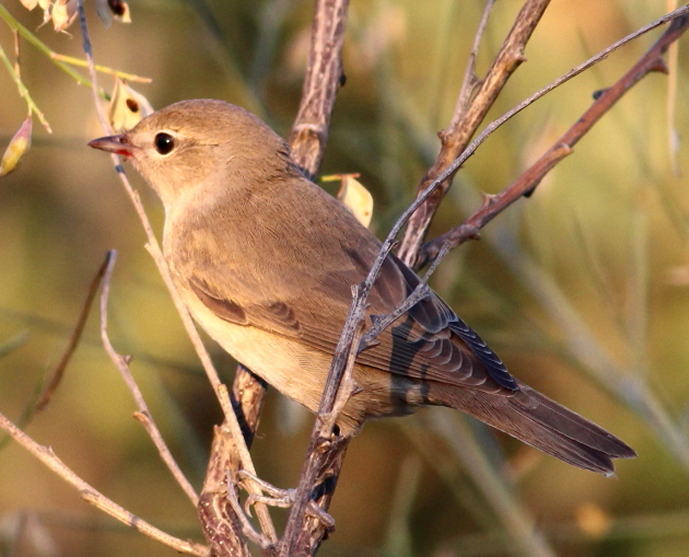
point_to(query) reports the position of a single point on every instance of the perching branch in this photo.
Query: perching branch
(143, 414)
(298, 537)
(153, 248)
(221, 525)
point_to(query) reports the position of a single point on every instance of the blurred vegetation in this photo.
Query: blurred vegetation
(582, 289)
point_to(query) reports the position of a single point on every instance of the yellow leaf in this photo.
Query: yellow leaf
(63, 13)
(127, 107)
(356, 198)
(19, 145)
(107, 9)
(121, 10)
(29, 4)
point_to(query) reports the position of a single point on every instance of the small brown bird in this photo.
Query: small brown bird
(265, 261)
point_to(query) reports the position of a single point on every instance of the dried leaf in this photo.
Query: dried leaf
(127, 107)
(44, 4)
(120, 9)
(19, 145)
(63, 13)
(109, 9)
(356, 198)
(29, 4)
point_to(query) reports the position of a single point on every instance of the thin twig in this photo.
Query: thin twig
(467, 119)
(153, 248)
(74, 338)
(88, 51)
(321, 439)
(494, 204)
(471, 80)
(23, 91)
(17, 64)
(420, 292)
(45, 49)
(102, 69)
(97, 499)
(143, 415)
(490, 128)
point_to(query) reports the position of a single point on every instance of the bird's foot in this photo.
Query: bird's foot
(259, 538)
(283, 498)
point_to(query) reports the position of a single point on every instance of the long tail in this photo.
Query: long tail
(540, 422)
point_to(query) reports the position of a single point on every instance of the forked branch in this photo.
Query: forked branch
(493, 205)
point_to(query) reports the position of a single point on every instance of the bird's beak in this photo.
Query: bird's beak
(118, 144)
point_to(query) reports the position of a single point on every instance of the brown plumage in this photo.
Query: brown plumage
(265, 261)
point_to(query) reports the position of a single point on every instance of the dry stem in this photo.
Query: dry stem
(494, 204)
(156, 253)
(220, 523)
(97, 499)
(143, 415)
(467, 118)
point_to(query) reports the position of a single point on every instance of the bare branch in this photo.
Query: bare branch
(420, 292)
(221, 526)
(309, 136)
(97, 499)
(651, 61)
(58, 373)
(143, 415)
(466, 120)
(153, 248)
(324, 76)
(326, 447)
(471, 80)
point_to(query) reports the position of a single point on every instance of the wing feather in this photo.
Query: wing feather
(307, 296)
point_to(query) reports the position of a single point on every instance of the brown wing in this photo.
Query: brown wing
(302, 290)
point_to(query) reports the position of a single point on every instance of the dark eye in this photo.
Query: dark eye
(164, 143)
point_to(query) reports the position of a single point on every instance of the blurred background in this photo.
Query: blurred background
(582, 288)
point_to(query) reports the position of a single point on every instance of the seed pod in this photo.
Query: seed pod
(20, 144)
(127, 107)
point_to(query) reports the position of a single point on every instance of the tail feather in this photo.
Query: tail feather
(542, 423)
